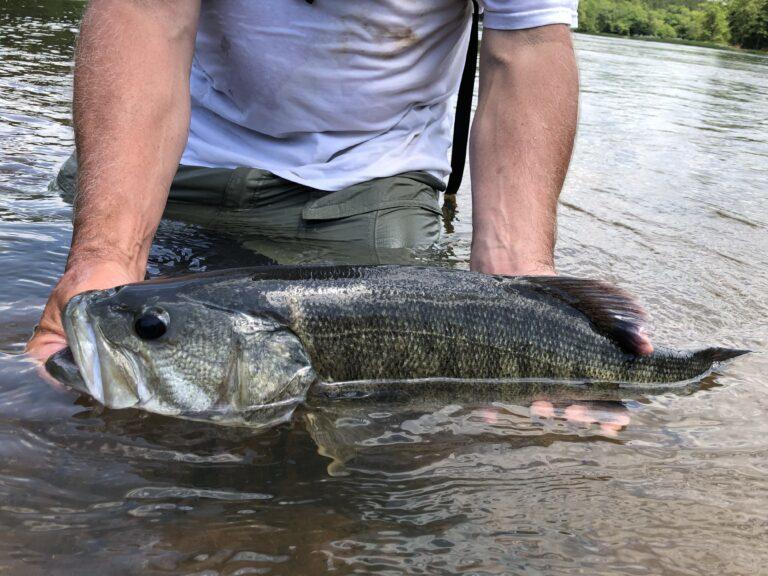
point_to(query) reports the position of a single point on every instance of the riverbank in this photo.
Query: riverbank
(698, 43)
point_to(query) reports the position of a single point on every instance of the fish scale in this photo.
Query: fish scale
(455, 324)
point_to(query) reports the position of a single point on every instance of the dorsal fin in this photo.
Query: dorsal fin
(612, 310)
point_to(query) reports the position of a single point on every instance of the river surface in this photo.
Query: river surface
(667, 196)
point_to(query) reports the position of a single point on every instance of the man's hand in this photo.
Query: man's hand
(131, 116)
(49, 336)
(522, 137)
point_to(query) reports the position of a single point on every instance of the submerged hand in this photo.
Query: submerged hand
(612, 417)
(49, 335)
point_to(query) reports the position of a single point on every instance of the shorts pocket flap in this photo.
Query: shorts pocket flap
(380, 194)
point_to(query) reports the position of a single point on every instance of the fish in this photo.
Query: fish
(249, 345)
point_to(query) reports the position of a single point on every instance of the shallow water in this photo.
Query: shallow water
(668, 196)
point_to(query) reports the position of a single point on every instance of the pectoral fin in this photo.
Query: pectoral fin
(612, 310)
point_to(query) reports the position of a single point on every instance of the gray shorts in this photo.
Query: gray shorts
(375, 221)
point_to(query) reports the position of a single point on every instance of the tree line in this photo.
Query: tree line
(741, 23)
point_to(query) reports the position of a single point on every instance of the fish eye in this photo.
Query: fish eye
(151, 324)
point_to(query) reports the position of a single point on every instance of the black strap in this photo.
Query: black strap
(464, 109)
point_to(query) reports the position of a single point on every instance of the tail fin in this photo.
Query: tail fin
(714, 355)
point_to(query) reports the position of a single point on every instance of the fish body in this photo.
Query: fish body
(239, 343)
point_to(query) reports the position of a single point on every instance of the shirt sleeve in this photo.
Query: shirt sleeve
(519, 14)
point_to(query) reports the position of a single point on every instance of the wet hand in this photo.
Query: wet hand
(49, 336)
(611, 417)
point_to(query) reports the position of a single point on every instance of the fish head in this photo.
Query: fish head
(163, 351)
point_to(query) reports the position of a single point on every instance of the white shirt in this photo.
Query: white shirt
(337, 92)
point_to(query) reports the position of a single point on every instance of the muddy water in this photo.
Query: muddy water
(668, 195)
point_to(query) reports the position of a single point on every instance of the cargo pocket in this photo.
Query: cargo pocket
(397, 212)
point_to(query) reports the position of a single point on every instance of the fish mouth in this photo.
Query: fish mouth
(82, 342)
(104, 377)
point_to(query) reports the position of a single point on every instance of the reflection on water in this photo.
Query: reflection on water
(668, 196)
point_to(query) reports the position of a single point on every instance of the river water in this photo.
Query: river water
(667, 196)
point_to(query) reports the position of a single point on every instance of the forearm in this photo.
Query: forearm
(521, 144)
(131, 114)
(131, 110)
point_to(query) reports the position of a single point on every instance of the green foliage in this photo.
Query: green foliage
(715, 23)
(748, 22)
(686, 22)
(742, 22)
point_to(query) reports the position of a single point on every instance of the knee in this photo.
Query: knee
(65, 182)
